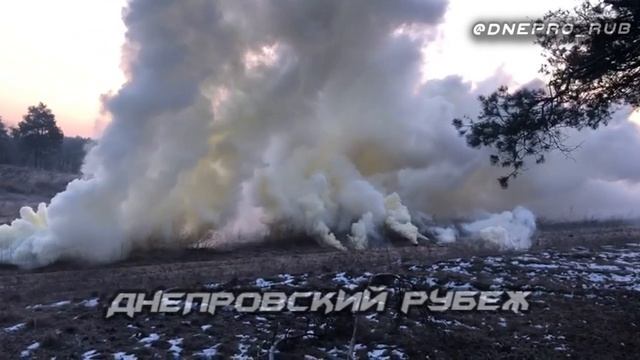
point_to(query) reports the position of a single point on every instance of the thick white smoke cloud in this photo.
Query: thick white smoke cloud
(509, 230)
(308, 113)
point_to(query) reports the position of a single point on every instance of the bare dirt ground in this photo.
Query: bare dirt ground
(585, 301)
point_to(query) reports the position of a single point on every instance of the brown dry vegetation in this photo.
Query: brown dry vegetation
(22, 186)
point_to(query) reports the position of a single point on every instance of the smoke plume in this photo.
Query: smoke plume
(311, 113)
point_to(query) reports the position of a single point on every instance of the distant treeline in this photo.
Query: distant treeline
(38, 142)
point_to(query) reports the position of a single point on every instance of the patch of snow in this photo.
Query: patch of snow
(124, 356)
(456, 269)
(211, 285)
(603, 267)
(243, 349)
(149, 339)
(56, 304)
(175, 348)
(208, 352)
(635, 287)
(349, 282)
(431, 282)
(448, 323)
(30, 349)
(372, 317)
(90, 302)
(88, 355)
(287, 279)
(597, 278)
(377, 354)
(452, 285)
(540, 266)
(619, 278)
(15, 327)
(502, 322)
(262, 283)
(399, 354)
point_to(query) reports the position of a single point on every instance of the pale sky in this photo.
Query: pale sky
(456, 52)
(66, 53)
